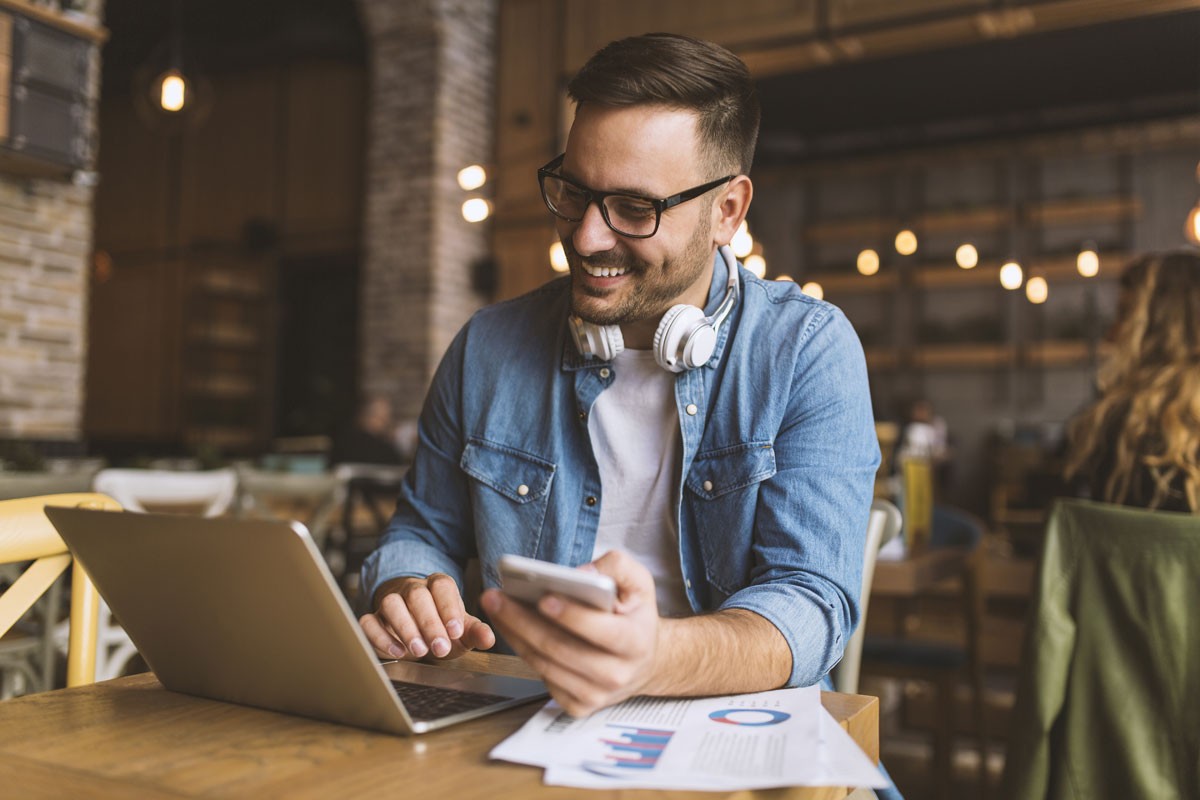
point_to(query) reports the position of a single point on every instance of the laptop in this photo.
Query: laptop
(246, 611)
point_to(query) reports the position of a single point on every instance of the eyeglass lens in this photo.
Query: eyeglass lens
(633, 216)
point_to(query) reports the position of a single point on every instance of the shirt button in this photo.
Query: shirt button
(591, 500)
(707, 486)
(691, 409)
(688, 584)
(604, 373)
(583, 416)
(522, 490)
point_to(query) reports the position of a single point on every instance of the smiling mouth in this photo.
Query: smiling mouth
(603, 272)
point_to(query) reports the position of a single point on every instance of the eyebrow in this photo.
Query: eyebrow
(643, 193)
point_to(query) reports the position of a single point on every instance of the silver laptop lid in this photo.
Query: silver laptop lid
(241, 610)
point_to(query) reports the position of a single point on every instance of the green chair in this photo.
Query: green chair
(1109, 692)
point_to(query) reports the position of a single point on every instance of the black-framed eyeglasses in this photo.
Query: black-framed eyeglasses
(627, 214)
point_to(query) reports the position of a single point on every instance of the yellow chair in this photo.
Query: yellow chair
(27, 535)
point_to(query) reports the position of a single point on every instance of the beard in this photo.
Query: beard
(651, 289)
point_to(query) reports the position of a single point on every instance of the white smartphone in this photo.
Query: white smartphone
(528, 579)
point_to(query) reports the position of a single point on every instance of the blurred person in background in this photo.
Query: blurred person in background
(372, 438)
(1139, 443)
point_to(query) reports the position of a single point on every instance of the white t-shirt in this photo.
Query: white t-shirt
(634, 427)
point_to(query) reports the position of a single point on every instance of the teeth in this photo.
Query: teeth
(603, 272)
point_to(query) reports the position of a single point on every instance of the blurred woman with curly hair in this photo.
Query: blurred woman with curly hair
(1139, 443)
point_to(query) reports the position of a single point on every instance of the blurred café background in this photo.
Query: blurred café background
(226, 227)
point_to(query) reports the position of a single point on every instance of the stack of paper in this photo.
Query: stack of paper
(747, 741)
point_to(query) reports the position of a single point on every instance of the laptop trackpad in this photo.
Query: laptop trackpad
(462, 680)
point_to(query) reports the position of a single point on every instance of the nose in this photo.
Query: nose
(592, 234)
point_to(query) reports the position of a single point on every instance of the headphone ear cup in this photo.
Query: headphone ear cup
(602, 341)
(673, 337)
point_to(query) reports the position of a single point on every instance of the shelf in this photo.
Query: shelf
(221, 436)
(976, 220)
(1049, 353)
(231, 284)
(963, 355)
(842, 282)
(237, 337)
(1098, 209)
(1056, 269)
(76, 25)
(224, 387)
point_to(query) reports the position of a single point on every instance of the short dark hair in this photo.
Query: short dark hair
(680, 72)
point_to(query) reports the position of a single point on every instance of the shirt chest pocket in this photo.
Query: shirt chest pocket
(721, 499)
(510, 492)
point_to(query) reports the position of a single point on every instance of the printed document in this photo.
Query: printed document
(747, 741)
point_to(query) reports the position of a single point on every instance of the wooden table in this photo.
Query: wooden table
(129, 737)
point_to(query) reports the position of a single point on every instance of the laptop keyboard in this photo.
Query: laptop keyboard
(428, 703)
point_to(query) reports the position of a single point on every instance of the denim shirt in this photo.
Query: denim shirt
(778, 462)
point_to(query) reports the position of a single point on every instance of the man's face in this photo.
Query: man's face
(650, 151)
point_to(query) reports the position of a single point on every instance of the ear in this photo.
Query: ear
(731, 208)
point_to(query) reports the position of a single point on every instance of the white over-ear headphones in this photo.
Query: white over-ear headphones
(685, 338)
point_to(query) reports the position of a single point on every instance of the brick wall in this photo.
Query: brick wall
(430, 114)
(45, 244)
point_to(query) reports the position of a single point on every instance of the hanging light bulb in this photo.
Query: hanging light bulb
(558, 258)
(1191, 228)
(756, 264)
(1088, 262)
(868, 262)
(906, 242)
(966, 256)
(472, 177)
(742, 242)
(813, 289)
(172, 91)
(476, 209)
(1037, 290)
(1011, 275)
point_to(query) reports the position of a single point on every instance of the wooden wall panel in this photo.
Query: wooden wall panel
(527, 104)
(590, 25)
(523, 258)
(866, 12)
(133, 341)
(132, 200)
(231, 162)
(325, 142)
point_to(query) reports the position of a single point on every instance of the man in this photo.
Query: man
(728, 501)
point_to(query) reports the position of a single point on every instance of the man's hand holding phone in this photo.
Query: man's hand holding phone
(588, 658)
(417, 616)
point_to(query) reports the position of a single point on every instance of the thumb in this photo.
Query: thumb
(635, 584)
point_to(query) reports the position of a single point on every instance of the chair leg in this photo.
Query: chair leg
(943, 741)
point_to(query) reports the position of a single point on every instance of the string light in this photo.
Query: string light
(472, 177)
(966, 256)
(1011, 275)
(813, 289)
(476, 209)
(1036, 290)
(173, 91)
(906, 242)
(558, 258)
(1088, 263)
(868, 262)
(786, 278)
(1192, 227)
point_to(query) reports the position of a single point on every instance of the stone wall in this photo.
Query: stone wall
(45, 245)
(430, 114)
